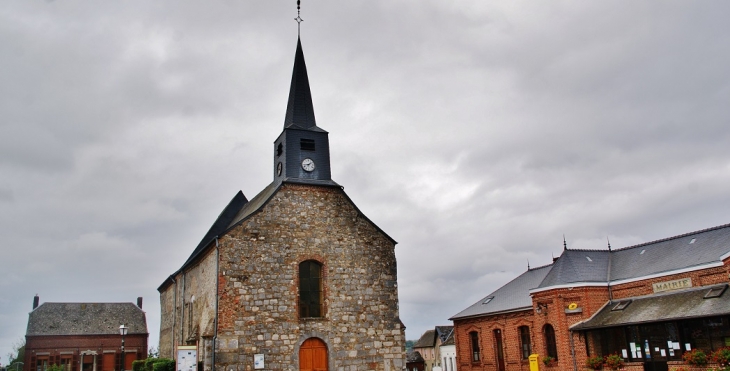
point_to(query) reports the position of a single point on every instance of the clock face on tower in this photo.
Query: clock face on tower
(279, 167)
(308, 164)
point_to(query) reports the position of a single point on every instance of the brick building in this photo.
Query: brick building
(649, 303)
(297, 278)
(85, 336)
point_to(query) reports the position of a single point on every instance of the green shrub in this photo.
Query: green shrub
(164, 364)
(138, 365)
(594, 363)
(695, 357)
(148, 363)
(614, 362)
(549, 361)
(722, 357)
(55, 367)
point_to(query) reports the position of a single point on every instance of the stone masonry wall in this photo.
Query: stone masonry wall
(191, 318)
(258, 290)
(167, 296)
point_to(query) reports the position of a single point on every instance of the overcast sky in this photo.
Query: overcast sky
(475, 133)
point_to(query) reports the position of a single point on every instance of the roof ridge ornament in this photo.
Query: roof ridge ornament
(299, 19)
(565, 244)
(609, 243)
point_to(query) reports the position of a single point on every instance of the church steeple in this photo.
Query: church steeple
(299, 109)
(301, 153)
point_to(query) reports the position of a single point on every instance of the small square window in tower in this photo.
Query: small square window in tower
(307, 144)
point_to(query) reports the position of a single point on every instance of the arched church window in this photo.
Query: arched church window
(474, 339)
(310, 289)
(525, 341)
(550, 345)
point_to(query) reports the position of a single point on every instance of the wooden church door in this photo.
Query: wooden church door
(313, 355)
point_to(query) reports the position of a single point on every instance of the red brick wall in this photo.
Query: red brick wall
(555, 302)
(508, 324)
(703, 277)
(74, 344)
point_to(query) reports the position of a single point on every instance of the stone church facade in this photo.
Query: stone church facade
(297, 278)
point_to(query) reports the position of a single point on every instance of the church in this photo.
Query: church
(296, 278)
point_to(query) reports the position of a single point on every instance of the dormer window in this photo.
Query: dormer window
(621, 305)
(715, 292)
(307, 144)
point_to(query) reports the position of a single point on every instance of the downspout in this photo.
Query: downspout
(182, 309)
(217, 283)
(572, 351)
(174, 317)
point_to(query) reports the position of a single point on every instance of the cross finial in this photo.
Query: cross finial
(299, 18)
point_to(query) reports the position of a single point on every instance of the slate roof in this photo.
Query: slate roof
(669, 306)
(578, 266)
(85, 319)
(679, 252)
(299, 109)
(414, 356)
(255, 204)
(688, 251)
(444, 332)
(513, 296)
(427, 340)
(219, 227)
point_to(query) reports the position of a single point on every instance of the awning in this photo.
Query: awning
(707, 301)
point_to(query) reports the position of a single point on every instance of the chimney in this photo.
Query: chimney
(36, 299)
(139, 302)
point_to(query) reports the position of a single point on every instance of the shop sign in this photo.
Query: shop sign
(672, 285)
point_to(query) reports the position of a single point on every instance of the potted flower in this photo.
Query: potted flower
(722, 357)
(594, 363)
(549, 361)
(614, 362)
(695, 357)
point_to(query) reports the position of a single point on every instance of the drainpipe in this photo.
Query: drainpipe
(174, 317)
(182, 309)
(215, 320)
(572, 351)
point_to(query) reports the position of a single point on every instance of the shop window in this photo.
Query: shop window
(551, 347)
(474, 337)
(42, 364)
(525, 342)
(66, 363)
(310, 289)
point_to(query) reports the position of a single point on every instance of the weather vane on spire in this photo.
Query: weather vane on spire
(299, 19)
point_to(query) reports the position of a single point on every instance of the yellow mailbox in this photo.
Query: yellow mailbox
(534, 365)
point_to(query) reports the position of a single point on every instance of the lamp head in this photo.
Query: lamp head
(123, 330)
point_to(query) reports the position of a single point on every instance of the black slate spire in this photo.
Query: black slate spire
(299, 110)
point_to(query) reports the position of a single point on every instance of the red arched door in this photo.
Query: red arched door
(313, 355)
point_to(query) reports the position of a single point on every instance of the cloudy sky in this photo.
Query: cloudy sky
(475, 133)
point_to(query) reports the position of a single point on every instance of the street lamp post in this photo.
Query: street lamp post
(123, 331)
